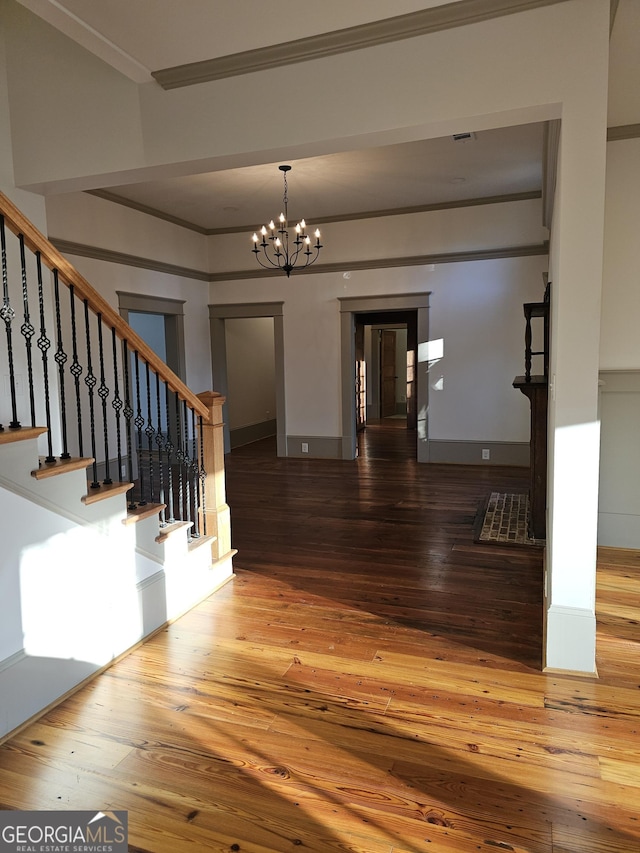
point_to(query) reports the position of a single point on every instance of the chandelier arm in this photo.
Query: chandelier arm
(272, 264)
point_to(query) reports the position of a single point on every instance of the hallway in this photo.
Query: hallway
(369, 682)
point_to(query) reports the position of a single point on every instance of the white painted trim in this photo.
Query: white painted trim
(75, 28)
(12, 660)
(571, 640)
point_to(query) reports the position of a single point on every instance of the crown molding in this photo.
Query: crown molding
(144, 208)
(400, 27)
(399, 211)
(323, 220)
(387, 263)
(623, 131)
(83, 251)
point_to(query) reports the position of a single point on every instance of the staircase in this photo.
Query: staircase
(99, 549)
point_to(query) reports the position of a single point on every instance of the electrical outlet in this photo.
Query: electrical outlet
(305, 447)
(486, 453)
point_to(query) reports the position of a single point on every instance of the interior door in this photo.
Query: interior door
(388, 373)
(361, 379)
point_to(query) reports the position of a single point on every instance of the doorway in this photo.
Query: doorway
(356, 313)
(387, 359)
(390, 373)
(219, 316)
(160, 324)
(389, 351)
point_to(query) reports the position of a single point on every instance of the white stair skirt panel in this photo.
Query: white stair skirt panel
(79, 587)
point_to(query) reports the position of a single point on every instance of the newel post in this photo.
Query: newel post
(216, 511)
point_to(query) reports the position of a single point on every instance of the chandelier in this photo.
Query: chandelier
(275, 251)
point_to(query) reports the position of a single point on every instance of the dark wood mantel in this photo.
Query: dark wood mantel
(537, 390)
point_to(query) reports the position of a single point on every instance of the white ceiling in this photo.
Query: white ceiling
(500, 161)
(148, 35)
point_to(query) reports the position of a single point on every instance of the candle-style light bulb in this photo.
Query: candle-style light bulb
(255, 238)
(281, 217)
(317, 234)
(263, 231)
(272, 225)
(303, 224)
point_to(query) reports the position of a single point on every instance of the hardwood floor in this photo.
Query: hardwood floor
(369, 682)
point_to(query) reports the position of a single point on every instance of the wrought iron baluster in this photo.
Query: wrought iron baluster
(159, 440)
(203, 477)
(103, 393)
(7, 314)
(139, 423)
(44, 344)
(116, 403)
(169, 447)
(60, 359)
(180, 458)
(150, 432)
(187, 468)
(195, 477)
(90, 382)
(128, 416)
(27, 330)
(76, 368)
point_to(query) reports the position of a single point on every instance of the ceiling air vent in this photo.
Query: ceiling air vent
(463, 137)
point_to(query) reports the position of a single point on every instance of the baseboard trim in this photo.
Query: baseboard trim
(320, 446)
(13, 659)
(619, 530)
(253, 432)
(570, 640)
(470, 452)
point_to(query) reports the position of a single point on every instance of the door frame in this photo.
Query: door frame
(173, 312)
(350, 307)
(239, 311)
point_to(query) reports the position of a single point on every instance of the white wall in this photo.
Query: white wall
(251, 390)
(619, 342)
(459, 229)
(476, 308)
(86, 219)
(33, 207)
(619, 500)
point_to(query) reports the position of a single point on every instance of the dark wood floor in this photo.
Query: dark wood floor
(392, 539)
(368, 683)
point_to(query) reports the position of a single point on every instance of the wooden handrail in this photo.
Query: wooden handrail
(37, 242)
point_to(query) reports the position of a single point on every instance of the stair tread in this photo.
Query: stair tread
(201, 540)
(170, 529)
(103, 492)
(60, 466)
(142, 512)
(20, 434)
